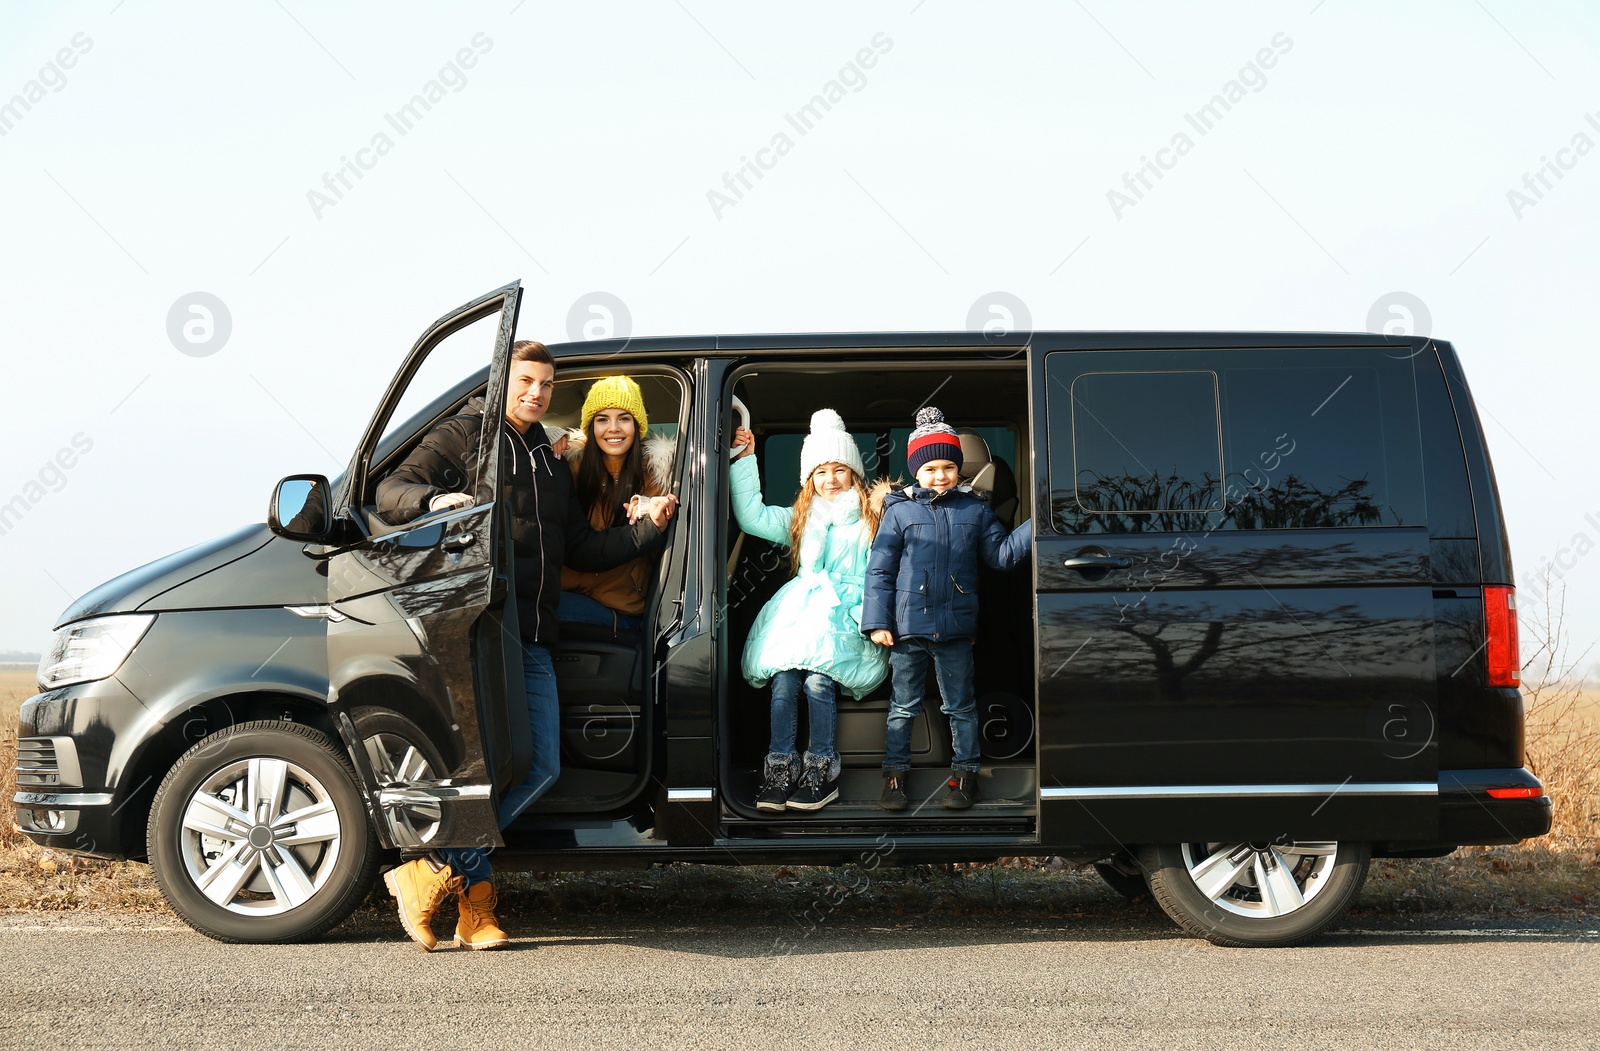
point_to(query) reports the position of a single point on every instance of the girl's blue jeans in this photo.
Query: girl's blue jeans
(822, 696)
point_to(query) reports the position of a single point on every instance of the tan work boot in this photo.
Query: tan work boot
(420, 889)
(477, 928)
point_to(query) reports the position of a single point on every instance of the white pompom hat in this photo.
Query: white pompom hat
(829, 442)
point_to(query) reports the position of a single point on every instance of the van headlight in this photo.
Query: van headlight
(92, 649)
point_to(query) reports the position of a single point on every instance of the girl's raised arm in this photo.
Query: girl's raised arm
(756, 518)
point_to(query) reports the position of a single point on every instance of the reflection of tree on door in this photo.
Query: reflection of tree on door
(1229, 646)
(1151, 503)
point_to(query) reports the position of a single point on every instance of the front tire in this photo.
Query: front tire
(1245, 895)
(259, 834)
(399, 751)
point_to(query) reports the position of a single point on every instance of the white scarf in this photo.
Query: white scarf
(842, 510)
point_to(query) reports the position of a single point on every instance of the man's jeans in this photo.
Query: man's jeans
(822, 695)
(544, 719)
(952, 663)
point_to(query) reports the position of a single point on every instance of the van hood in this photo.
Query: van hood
(136, 588)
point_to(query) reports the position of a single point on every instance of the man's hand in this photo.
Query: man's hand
(883, 637)
(743, 437)
(444, 501)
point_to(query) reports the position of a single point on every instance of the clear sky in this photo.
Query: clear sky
(1432, 164)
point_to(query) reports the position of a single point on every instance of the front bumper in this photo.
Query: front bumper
(67, 793)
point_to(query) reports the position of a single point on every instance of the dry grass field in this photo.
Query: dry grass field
(1558, 874)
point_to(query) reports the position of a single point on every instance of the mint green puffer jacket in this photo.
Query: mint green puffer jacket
(814, 621)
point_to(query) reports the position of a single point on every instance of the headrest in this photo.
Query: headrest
(977, 466)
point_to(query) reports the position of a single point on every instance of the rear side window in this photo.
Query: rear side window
(1146, 443)
(1256, 439)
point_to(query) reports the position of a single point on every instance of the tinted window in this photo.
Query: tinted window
(1309, 439)
(1002, 443)
(780, 467)
(1146, 442)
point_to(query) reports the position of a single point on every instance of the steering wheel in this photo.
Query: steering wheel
(743, 413)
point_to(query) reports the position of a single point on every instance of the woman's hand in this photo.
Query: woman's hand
(658, 509)
(883, 637)
(559, 446)
(743, 437)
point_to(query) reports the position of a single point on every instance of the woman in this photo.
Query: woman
(613, 459)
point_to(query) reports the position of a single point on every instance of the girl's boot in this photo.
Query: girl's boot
(819, 783)
(778, 776)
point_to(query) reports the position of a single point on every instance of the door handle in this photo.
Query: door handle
(459, 541)
(1098, 562)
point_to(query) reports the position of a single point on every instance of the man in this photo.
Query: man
(548, 529)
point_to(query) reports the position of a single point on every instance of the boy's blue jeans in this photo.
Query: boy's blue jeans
(822, 695)
(908, 666)
(544, 719)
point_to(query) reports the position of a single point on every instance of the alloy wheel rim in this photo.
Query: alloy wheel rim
(260, 837)
(1260, 880)
(395, 760)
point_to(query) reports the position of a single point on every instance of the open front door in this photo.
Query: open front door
(1234, 599)
(423, 664)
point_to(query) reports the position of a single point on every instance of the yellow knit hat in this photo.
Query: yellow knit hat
(615, 392)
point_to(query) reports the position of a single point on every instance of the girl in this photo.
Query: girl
(808, 638)
(612, 459)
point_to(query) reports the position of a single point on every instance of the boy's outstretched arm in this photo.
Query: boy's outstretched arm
(883, 567)
(1004, 552)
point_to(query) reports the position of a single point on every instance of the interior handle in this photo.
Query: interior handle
(744, 421)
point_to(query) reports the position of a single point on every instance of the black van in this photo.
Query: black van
(1269, 633)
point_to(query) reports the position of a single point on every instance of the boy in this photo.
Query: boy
(922, 601)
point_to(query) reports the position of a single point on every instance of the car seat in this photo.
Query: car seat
(988, 475)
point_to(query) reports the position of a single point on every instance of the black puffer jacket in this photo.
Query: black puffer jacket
(549, 529)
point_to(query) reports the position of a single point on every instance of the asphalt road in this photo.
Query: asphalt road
(110, 982)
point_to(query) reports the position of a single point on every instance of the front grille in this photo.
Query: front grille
(47, 762)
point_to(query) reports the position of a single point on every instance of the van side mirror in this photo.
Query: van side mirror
(299, 508)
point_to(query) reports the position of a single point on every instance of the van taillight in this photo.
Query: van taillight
(1516, 793)
(1500, 620)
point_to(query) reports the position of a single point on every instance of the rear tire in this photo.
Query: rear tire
(1243, 895)
(259, 834)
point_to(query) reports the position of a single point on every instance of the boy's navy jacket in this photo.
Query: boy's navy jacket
(922, 579)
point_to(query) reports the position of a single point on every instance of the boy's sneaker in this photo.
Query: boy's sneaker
(819, 785)
(778, 775)
(963, 785)
(894, 790)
